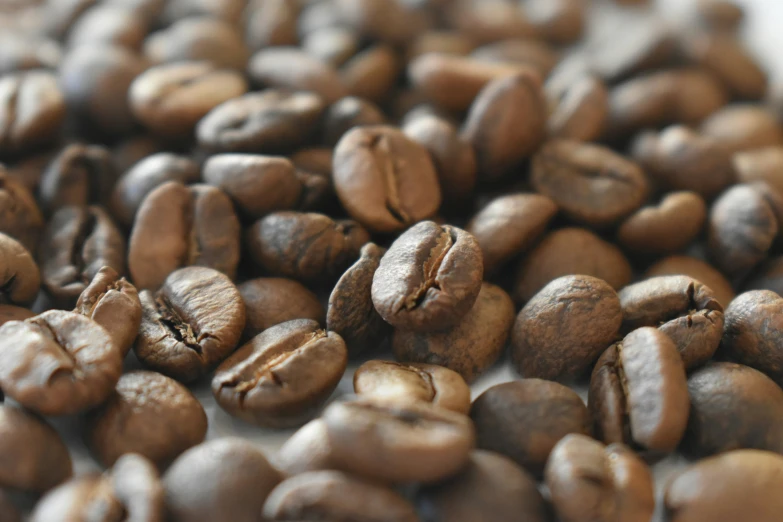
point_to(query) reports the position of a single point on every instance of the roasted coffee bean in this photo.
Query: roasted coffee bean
(588, 481)
(721, 15)
(103, 25)
(149, 414)
(224, 479)
(523, 420)
(738, 485)
(429, 278)
(289, 68)
(271, 23)
(506, 123)
(13, 313)
(372, 73)
(724, 56)
(265, 121)
(741, 228)
(32, 108)
(732, 407)
(509, 225)
(58, 363)
(19, 277)
(563, 329)
(490, 486)
(390, 441)
(765, 164)
(386, 20)
(95, 81)
(191, 324)
(351, 312)
(76, 244)
(667, 227)
(178, 226)
(338, 497)
(570, 251)
(143, 177)
(591, 184)
(80, 175)
(270, 301)
(413, 382)
(305, 246)
(331, 45)
(447, 42)
(682, 308)
(581, 111)
(282, 376)
(198, 38)
(534, 53)
(696, 269)
(130, 490)
(639, 394)
(314, 160)
(349, 112)
(170, 99)
(34, 456)
(743, 127)
(385, 180)
(486, 22)
(308, 449)
(113, 303)
(469, 348)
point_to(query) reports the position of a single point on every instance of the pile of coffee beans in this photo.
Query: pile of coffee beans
(265, 202)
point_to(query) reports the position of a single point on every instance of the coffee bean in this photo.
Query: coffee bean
(471, 347)
(581, 111)
(533, 53)
(79, 175)
(563, 329)
(198, 38)
(282, 376)
(489, 486)
(103, 25)
(349, 112)
(271, 23)
(224, 479)
(331, 45)
(170, 99)
(721, 15)
(429, 278)
(523, 420)
(763, 164)
(308, 449)
(725, 57)
(34, 456)
(591, 184)
(306, 246)
(13, 313)
(19, 277)
(696, 269)
(413, 382)
(143, 177)
(560, 22)
(638, 392)
(265, 121)
(128, 152)
(351, 312)
(191, 324)
(32, 109)
(506, 123)
(454, 43)
(386, 20)
(335, 496)
(385, 180)
(372, 73)
(390, 441)
(113, 303)
(743, 127)
(588, 481)
(738, 485)
(270, 301)
(178, 226)
(314, 160)
(58, 363)
(24, 52)
(131, 489)
(77, 243)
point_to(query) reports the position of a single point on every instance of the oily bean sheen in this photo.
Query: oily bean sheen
(308, 449)
(270, 301)
(191, 324)
(283, 375)
(733, 407)
(591, 184)
(429, 278)
(149, 414)
(563, 329)
(489, 487)
(131, 490)
(588, 481)
(58, 363)
(682, 308)
(19, 277)
(413, 382)
(306, 246)
(20, 217)
(525, 419)
(337, 497)
(471, 347)
(738, 485)
(113, 303)
(696, 269)
(178, 226)
(33, 454)
(385, 180)
(390, 441)
(638, 392)
(223, 479)
(76, 244)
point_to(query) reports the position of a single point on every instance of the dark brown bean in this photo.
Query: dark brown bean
(696, 269)
(270, 301)
(32, 109)
(19, 276)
